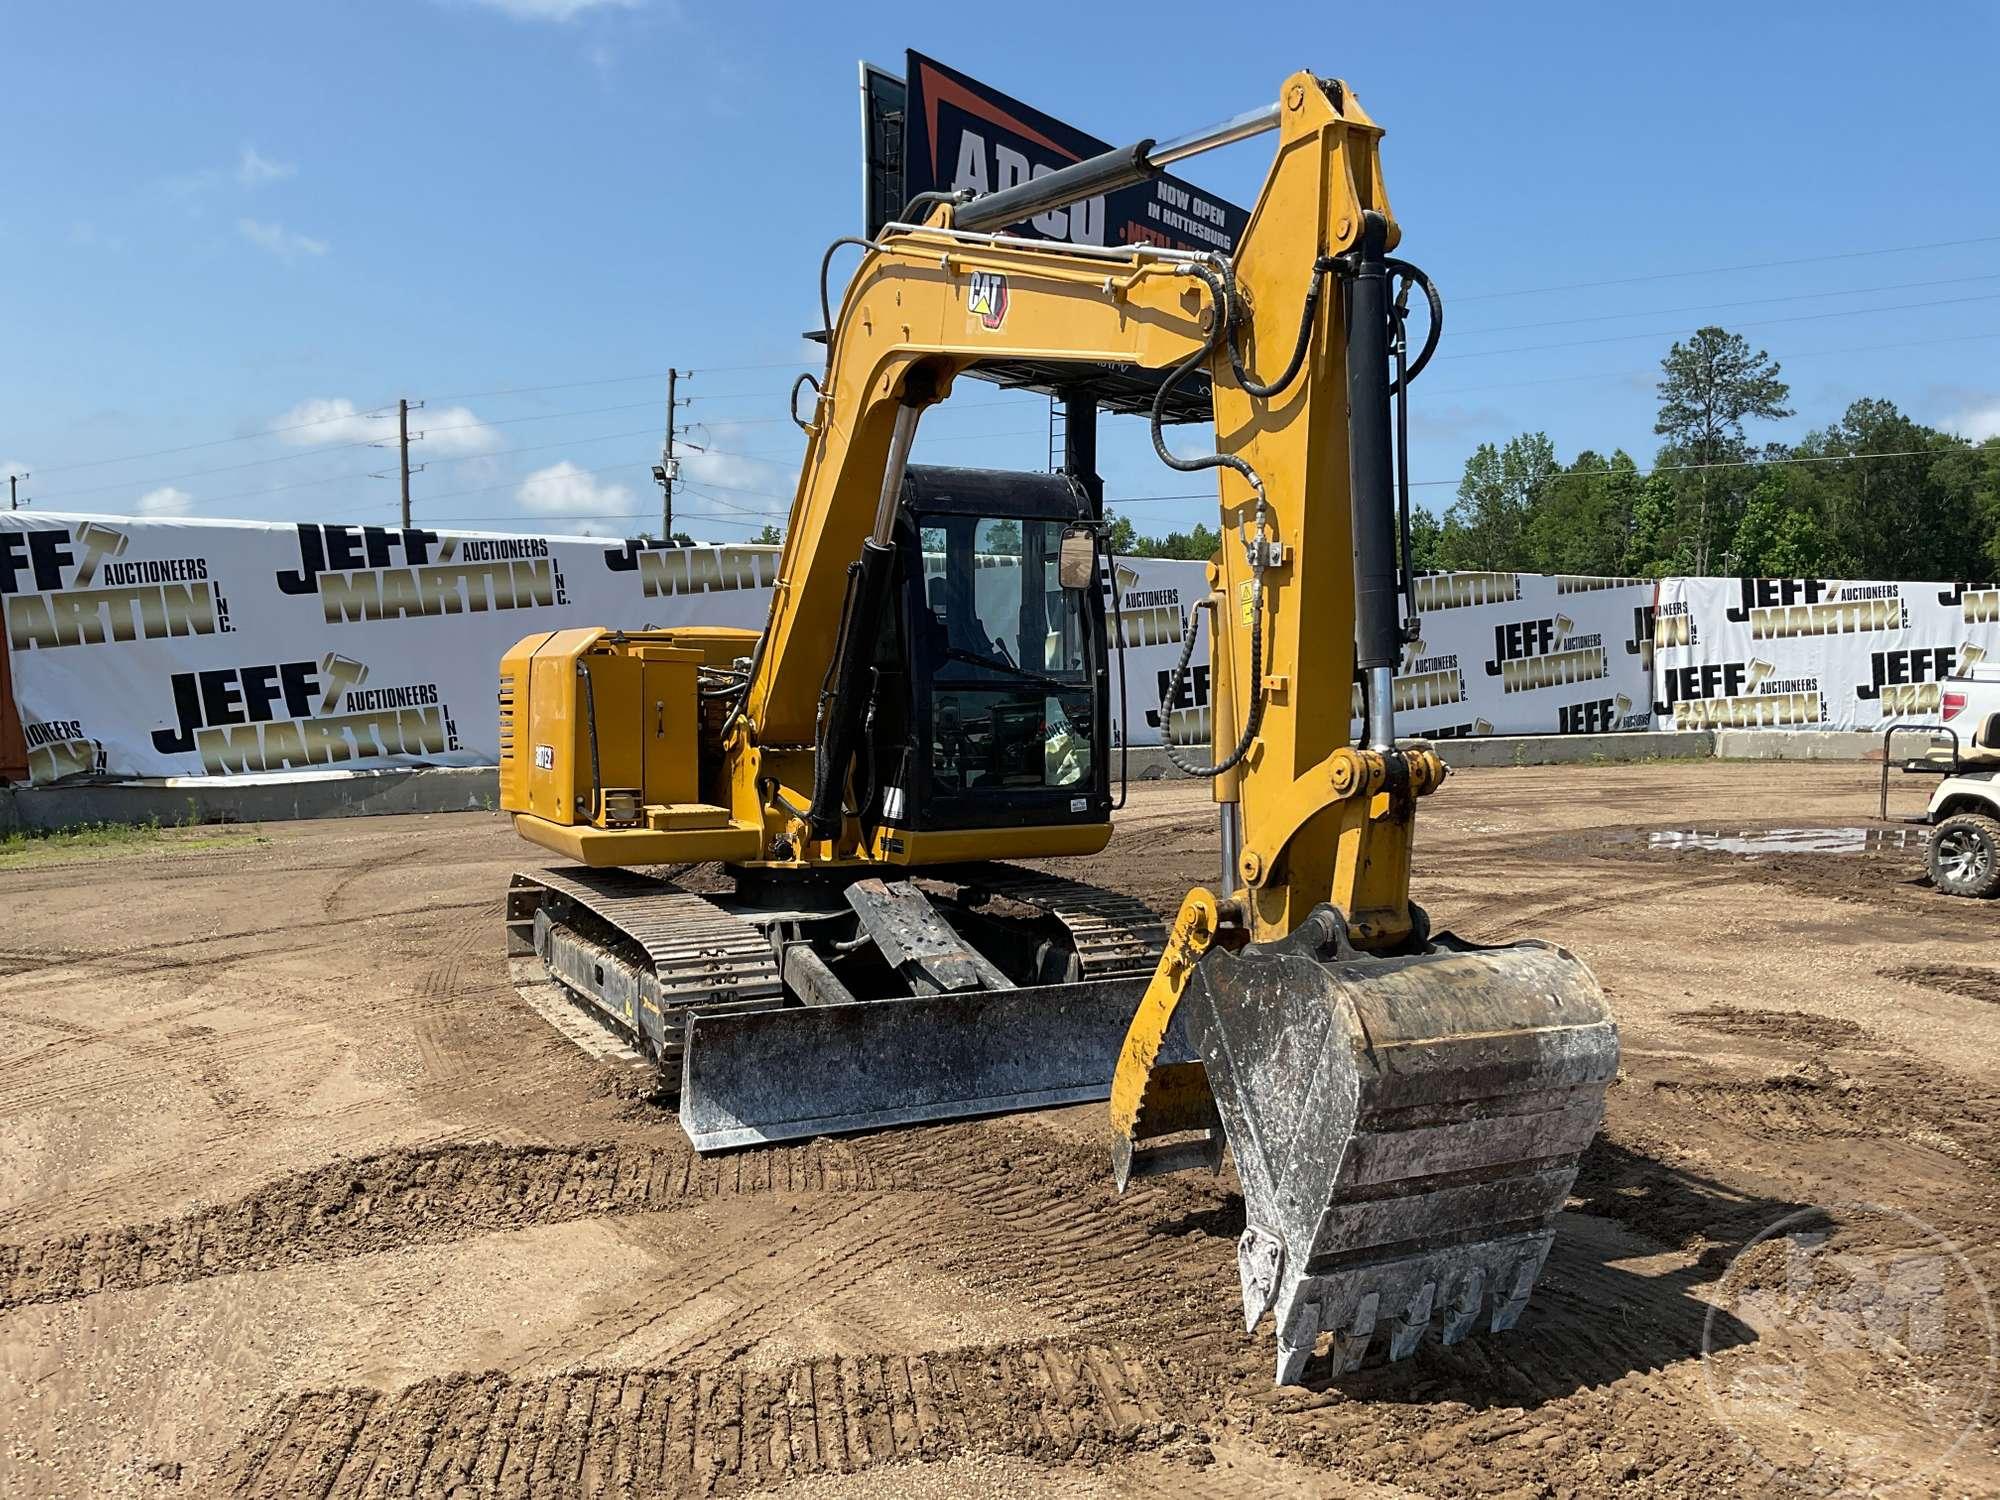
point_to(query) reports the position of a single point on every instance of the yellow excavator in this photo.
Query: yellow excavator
(930, 700)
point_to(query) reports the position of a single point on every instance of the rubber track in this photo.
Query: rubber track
(417, 1197)
(689, 1432)
(1113, 933)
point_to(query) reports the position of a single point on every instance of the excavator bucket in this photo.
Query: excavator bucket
(1406, 1129)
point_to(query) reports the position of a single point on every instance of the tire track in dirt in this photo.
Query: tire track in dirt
(1800, 1027)
(428, 1196)
(673, 1432)
(1900, 1104)
(757, 1267)
(1967, 981)
(134, 1061)
(389, 864)
(1037, 1220)
(283, 941)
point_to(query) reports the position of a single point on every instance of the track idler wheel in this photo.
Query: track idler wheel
(1406, 1129)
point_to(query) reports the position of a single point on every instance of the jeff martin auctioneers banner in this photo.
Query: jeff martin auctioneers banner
(188, 648)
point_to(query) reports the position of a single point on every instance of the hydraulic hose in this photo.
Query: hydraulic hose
(1253, 720)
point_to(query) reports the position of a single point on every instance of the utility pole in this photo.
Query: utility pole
(403, 436)
(666, 471)
(14, 501)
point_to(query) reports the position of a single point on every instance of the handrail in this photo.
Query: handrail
(1889, 734)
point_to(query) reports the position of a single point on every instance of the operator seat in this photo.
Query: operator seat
(1983, 754)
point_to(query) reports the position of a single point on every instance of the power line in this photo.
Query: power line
(589, 411)
(1674, 333)
(1665, 312)
(1508, 385)
(1762, 265)
(98, 463)
(571, 385)
(1634, 473)
(804, 363)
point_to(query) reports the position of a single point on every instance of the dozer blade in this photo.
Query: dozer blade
(1406, 1129)
(756, 1077)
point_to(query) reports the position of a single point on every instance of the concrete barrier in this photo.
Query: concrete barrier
(1806, 744)
(251, 799)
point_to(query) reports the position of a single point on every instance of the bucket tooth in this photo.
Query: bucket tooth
(1350, 1344)
(1260, 1261)
(1412, 1322)
(1298, 1333)
(1406, 1128)
(1466, 1301)
(1508, 1306)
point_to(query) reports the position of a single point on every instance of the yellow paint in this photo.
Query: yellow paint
(1138, 1087)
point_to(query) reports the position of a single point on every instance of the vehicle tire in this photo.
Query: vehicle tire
(1964, 855)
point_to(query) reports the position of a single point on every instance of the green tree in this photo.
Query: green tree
(1898, 508)
(1782, 533)
(770, 536)
(1975, 471)
(1487, 524)
(1426, 540)
(1120, 535)
(1708, 387)
(1198, 545)
(1584, 518)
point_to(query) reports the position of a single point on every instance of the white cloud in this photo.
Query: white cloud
(319, 420)
(554, 10)
(1979, 421)
(287, 244)
(164, 501)
(564, 489)
(254, 170)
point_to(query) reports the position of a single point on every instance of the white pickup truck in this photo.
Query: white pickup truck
(1964, 811)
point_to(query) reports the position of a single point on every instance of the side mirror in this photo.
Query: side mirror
(1076, 560)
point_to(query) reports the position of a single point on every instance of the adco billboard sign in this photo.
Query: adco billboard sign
(936, 130)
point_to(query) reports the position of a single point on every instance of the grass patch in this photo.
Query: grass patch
(105, 840)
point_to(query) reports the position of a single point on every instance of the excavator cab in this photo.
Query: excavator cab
(987, 705)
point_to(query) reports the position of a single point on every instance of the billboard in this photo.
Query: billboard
(959, 133)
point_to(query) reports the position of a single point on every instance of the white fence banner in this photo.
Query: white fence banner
(162, 648)
(155, 648)
(1814, 653)
(1497, 653)
(1526, 653)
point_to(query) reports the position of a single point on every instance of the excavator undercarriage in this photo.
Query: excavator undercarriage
(822, 1005)
(929, 703)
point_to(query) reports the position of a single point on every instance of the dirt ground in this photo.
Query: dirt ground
(296, 1198)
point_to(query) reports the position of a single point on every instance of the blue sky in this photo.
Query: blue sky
(224, 219)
